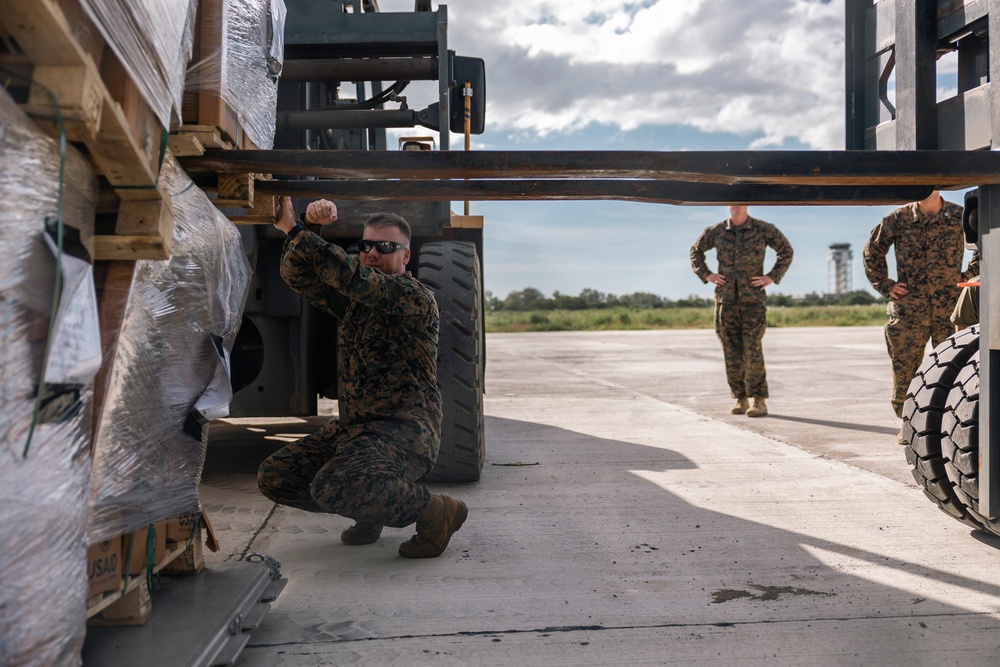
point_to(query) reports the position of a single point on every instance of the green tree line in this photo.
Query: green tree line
(530, 299)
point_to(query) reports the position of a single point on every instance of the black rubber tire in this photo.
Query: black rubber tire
(923, 416)
(451, 269)
(960, 440)
(960, 435)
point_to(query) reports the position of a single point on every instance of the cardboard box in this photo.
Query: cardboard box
(160, 545)
(181, 528)
(139, 542)
(104, 567)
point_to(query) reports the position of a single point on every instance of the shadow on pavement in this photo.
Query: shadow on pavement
(868, 428)
(577, 535)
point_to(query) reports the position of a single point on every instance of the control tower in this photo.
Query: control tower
(841, 267)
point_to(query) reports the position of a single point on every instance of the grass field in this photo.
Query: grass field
(607, 319)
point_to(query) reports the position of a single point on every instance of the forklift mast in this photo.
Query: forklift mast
(894, 49)
(344, 83)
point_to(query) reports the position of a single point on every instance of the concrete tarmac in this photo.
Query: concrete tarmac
(625, 517)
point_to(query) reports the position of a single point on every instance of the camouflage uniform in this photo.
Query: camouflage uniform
(929, 251)
(740, 311)
(365, 468)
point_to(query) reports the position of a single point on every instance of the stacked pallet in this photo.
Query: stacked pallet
(105, 78)
(168, 324)
(121, 570)
(44, 444)
(82, 87)
(231, 93)
(231, 89)
(121, 294)
(166, 329)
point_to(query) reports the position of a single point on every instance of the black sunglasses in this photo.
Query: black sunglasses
(383, 247)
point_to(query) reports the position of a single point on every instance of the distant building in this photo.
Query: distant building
(841, 267)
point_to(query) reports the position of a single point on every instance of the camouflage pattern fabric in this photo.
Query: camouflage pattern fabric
(740, 250)
(911, 324)
(367, 475)
(929, 252)
(740, 328)
(366, 467)
(740, 311)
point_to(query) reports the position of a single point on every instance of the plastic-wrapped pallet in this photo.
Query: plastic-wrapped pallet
(153, 40)
(239, 53)
(44, 454)
(168, 371)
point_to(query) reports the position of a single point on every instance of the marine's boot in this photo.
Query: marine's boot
(900, 438)
(741, 406)
(361, 533)
(436, 524)
(759, 408)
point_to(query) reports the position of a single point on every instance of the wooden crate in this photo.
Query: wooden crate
(79, 87)
(205, 116)
(132, 602)
(210, 123)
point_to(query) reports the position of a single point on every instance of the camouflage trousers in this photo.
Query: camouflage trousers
(912, 322)
(740, 328)
(359, 472)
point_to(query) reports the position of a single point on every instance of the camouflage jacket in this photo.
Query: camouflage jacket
(387, 340)
(929, 252)
(740, 250)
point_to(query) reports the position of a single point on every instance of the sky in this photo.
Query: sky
(657, 75)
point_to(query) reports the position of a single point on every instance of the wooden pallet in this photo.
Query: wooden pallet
(196, 139)
(100, 108)
(132, 604)
(238, 191)
(75, 76)
(233, 191)
(263, 212)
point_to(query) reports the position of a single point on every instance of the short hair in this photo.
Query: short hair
(383, 220)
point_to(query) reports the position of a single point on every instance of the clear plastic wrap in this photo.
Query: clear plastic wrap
(43, 494)
(148, 448)
(243, 68)
(153, 40)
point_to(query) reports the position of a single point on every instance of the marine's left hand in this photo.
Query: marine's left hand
(761, 281)
(285, 218)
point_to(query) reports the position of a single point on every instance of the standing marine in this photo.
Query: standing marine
(929, 248)
(740, 243)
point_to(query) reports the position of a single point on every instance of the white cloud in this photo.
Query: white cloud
(636, 75)
(768, 69)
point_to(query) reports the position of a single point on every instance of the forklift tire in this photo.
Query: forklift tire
(451, 269)
(960, 441)
(923, 415)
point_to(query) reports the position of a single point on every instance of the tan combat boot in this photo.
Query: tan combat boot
(436, 524)
(759, 408)
(361, 533)
(741, 406)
